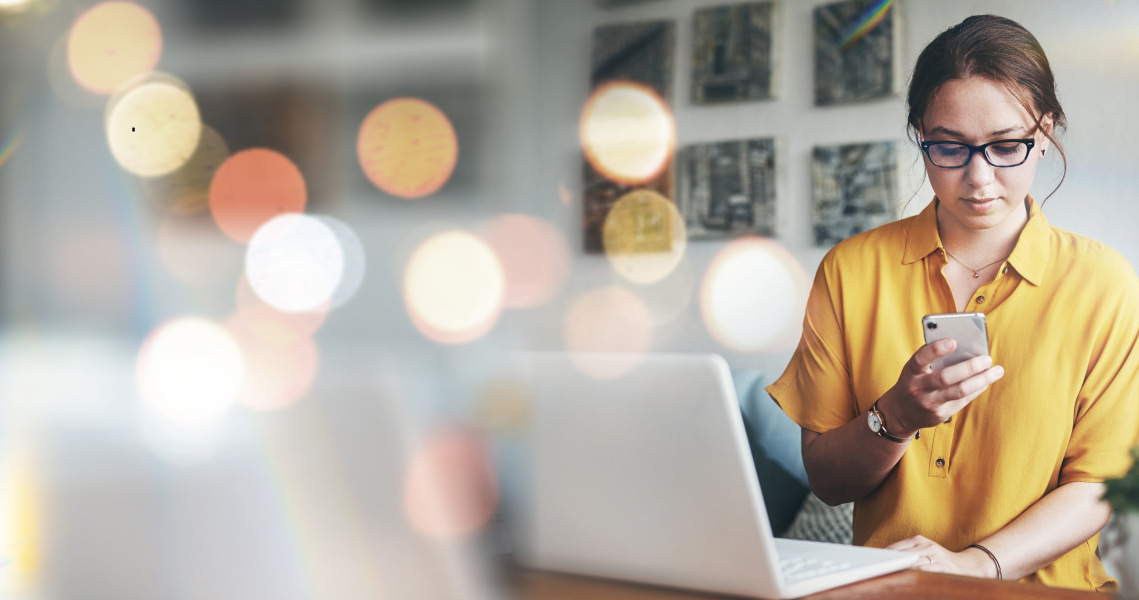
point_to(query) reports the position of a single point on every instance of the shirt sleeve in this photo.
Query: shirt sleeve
(1107, 409)
(815, 390)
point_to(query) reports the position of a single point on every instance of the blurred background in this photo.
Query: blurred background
(264, 263)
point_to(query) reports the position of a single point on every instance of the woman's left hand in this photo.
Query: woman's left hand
(932, 557)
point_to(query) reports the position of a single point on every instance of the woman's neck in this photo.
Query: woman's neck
(980, 246)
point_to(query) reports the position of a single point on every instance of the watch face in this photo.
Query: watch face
(874, 421)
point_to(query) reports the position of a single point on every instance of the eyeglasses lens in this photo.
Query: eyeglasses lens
(1002, 154)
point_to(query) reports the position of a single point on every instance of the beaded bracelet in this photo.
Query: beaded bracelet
(992, 556)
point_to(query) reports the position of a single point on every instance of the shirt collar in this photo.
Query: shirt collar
(1029, 257)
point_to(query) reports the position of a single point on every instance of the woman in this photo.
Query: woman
(1005, 478)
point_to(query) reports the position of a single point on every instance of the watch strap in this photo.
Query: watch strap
(886, 434)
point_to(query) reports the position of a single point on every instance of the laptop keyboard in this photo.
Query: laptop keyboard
(799, 568)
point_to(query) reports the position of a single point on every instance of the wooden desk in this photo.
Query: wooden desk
(532, 585)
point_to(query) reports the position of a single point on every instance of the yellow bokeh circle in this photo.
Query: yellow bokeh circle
(644, 236)
(153, 127)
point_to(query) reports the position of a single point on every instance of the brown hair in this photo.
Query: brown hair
(993, 48)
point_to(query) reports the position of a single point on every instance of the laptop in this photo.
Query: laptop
(637, 468)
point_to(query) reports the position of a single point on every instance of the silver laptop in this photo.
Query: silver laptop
(638, 469)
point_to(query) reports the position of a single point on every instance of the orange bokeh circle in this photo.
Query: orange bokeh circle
(407, 147)
(253, 186)
(112, 42)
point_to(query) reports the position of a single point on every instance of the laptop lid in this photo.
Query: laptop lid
(643, 474)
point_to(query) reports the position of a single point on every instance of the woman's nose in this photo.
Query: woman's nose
(978, 172)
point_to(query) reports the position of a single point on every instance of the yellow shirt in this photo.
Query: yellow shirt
(1063, 321)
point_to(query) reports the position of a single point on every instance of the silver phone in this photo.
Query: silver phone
(967, 328)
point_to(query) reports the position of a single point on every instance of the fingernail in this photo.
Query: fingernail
(999, 370)
(987, 361)
(944, 344)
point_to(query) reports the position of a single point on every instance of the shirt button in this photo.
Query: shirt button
(940, 462)
(980, 299)
(1004, 270)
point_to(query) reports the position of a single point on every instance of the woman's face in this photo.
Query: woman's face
(976, 111)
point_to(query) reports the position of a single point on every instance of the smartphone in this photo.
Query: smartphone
(968, 329)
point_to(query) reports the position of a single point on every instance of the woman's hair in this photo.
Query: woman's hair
(993, 48)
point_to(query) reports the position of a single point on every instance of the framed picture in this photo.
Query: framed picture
(642, 53)
(857, 51)
(727, 189)
(854, 188)
(733, 55)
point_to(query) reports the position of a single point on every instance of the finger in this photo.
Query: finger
(922, 359)
(957, 373)
(926, 563)
(972, 387)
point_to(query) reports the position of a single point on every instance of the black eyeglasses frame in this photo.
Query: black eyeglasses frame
(1030, 142)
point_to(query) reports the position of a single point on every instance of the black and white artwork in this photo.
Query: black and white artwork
(854, 189)
(856, 51)
(733, 53)
(728, 188)
(641, 52)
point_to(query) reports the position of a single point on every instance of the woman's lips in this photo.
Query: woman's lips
(980, 205)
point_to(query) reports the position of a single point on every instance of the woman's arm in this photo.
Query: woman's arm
(1063, 519)
(848, 463)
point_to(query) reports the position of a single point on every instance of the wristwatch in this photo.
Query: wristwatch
(877, 424)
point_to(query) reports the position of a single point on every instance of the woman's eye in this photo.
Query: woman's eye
(950, 151)
(1007, 149)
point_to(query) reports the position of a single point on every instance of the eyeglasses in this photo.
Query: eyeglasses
(1001, 153)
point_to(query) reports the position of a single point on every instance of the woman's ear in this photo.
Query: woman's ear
(1046, 124)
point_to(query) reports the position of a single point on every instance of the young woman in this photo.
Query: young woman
(992, 467)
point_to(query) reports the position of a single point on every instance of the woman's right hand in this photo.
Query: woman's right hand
(924, 398)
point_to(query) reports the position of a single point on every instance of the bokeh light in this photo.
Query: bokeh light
(189, 371)
(407, 147)
(186, 190)
(535, 258)
(195, 253)
(608, 319)
(153, 126)
(253, 186)
(450, 489)
(627, 132)
(281, 362)
(112, 42)
(354, 261)
(644, 236)
(454, 288)
(753, 296)
(295, 263)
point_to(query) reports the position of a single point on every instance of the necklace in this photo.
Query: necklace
(976, 272)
